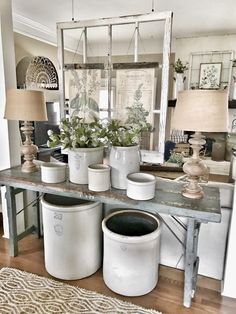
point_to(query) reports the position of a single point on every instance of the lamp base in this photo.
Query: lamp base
(192, 190)
(195, 169)
(29, 166)
(28, 149)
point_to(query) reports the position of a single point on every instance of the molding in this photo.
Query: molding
(33, 29)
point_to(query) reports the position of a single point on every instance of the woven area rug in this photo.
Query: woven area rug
(25, 293)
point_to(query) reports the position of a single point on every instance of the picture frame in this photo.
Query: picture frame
(210, 74)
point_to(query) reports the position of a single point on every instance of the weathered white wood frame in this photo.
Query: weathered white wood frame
(166, 17)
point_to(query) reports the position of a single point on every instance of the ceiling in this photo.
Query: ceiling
(191, 17)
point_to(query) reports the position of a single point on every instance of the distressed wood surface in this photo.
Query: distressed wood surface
(84, 66)
(135, 65)
(167, 200)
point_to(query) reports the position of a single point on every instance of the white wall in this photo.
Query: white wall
(9, 131)
(184, 46)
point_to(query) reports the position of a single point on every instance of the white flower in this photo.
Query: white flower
(50, 132)
(83, 138)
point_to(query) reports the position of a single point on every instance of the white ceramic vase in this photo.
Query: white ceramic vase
(178, 84)
(123, 161)
(78, 161)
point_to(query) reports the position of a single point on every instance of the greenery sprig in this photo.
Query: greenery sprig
(179, 66)
(76, 133)
(123, 135)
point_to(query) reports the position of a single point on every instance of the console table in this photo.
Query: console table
(168, 200)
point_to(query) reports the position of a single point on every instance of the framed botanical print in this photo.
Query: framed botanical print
(209, 77)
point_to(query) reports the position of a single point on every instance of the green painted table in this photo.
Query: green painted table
(168, 200)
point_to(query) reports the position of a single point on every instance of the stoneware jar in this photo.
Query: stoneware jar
(53, 172)
(141, 186)
(99, 177)
(79, 159)
(131, 251)
(123, 160)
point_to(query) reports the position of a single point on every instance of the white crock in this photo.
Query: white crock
(123, 160)
(99, 177)
(79, 159)
(141, 186)
(53, 172)
(72, 236)
(131, 252)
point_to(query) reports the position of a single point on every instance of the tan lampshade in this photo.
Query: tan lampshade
(201, 110)
(25, 105)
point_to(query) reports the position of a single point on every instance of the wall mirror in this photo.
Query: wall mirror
(111, 69)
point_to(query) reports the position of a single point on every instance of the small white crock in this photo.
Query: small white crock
(99, 177)
(53, 172)
(141, 186)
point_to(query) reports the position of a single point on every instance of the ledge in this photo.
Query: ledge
(232, 103)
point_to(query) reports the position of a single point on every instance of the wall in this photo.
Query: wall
(184, 46)
(9, 135)
(27, 46)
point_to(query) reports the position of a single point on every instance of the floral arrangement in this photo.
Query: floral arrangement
(179, 66)
(123, 135)
(75, 133)
(130, 133)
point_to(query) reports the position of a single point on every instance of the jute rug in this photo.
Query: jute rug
(25, 293)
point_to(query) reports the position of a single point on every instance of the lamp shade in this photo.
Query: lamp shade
(25, 105)
(201, 111)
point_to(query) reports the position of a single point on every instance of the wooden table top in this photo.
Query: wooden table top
(168, 198)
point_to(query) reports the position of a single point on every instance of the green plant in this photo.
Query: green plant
(234, 62)
(75, 133)
(136, 114)
(179, 66)
(130, 133)
(176, 158)
(120, 135)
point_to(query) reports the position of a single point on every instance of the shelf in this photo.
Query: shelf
(172, 103)
(232, 103)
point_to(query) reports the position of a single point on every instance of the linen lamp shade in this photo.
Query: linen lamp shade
(201, 111)
(25, 105)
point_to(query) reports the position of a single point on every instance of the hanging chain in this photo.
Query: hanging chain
(153, 6)
(131, 40)
(77, 48)
(72, 10)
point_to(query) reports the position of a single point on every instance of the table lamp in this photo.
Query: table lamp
(199, 111)
(26, 106)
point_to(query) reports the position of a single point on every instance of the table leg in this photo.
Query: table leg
(11, 211)
(191, 261)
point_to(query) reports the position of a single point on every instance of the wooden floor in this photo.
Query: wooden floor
(166, 297)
